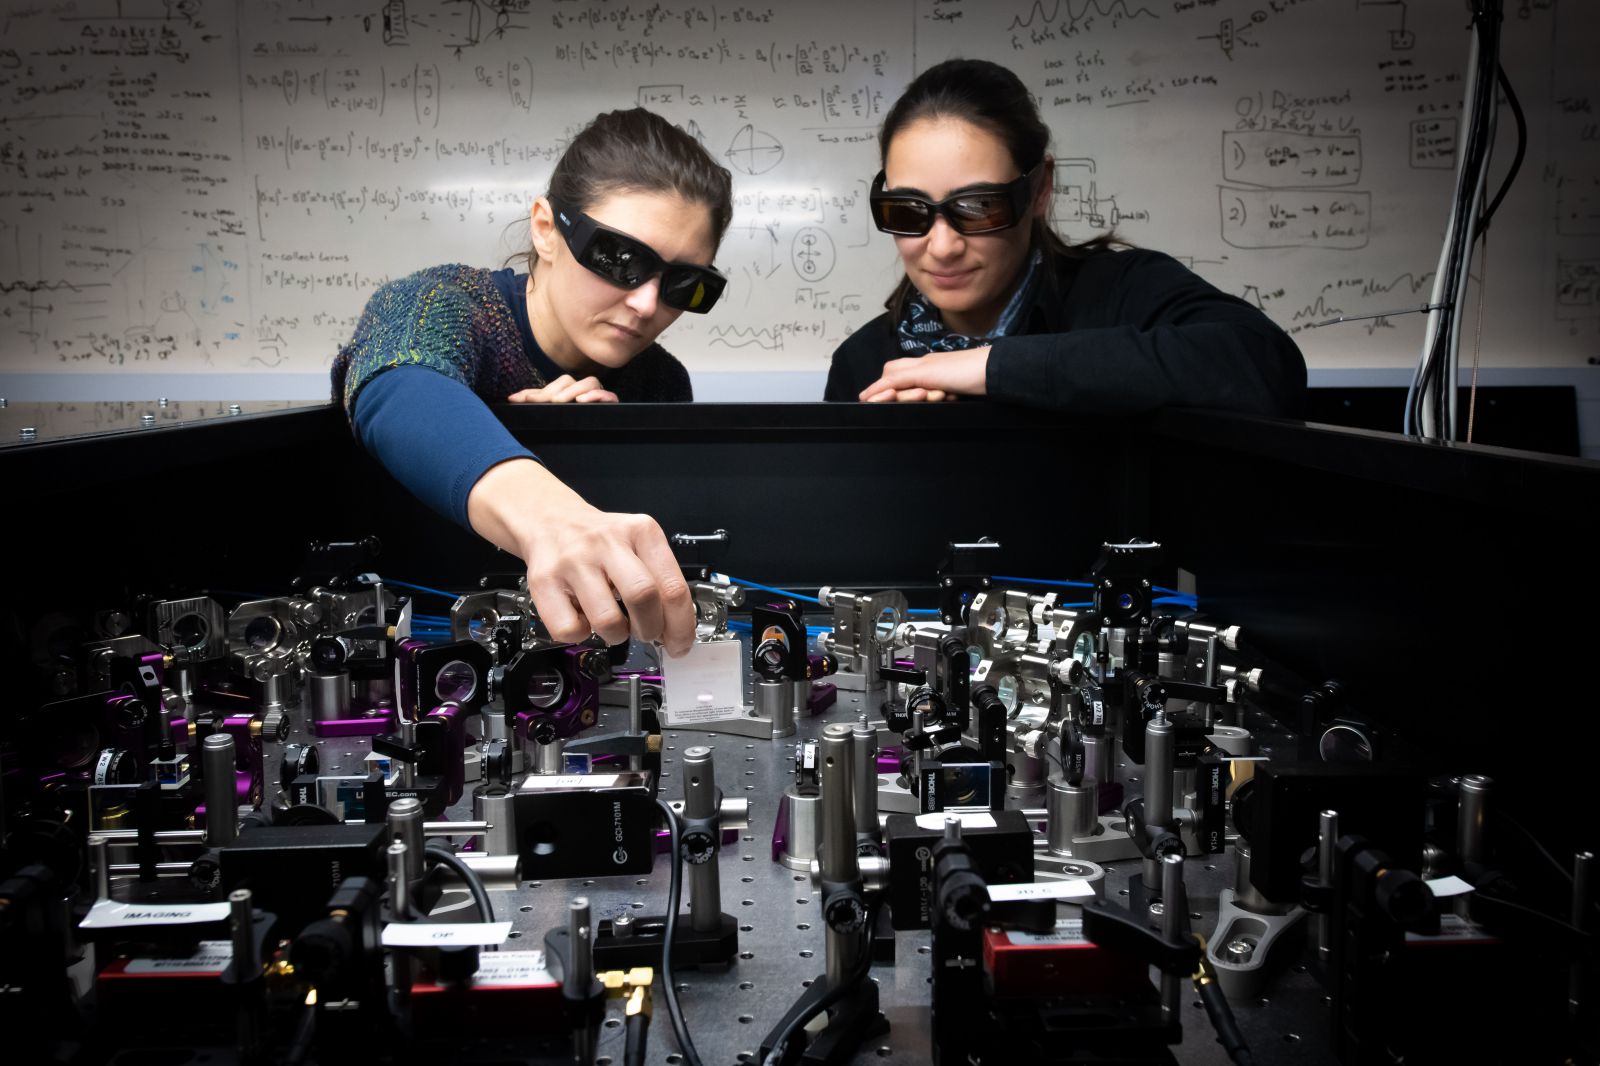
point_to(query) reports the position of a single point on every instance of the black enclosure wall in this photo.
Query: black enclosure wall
(1445, 585)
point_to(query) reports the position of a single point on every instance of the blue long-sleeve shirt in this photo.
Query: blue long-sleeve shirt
(425, 417)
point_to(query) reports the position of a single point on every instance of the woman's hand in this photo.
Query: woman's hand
(581, 560)
(566, 389)
(932, 377)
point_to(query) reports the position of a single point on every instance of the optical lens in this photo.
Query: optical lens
(456, 682)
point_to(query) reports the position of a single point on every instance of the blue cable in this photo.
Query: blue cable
(769, 588)
(742, 626)
(421, 588)
(1042, 581)
(924, 611)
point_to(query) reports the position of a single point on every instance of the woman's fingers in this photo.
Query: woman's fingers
(676, 604)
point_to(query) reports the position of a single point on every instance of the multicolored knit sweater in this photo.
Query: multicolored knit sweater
(450, 318)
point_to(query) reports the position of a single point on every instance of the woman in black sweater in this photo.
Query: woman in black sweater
(995, 303)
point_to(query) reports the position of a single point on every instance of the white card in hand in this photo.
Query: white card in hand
(706, 685)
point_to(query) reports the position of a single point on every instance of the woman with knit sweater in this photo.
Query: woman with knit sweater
(622, 244)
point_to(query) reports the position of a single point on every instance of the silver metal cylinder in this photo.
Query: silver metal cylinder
(1327, 838)
(1169, 665)
(474, 828)
(241, 925)
(700, 801)
(1116, 645)
(1159, 757)
(864, 786)
(1245, 893)
(496, 725)
(622, 926)
(100, 860)
(275, 690)
(127, 838)
(404, 822)
(1473, 803)
(579, 972)
(800, 699)
(1071, 814)
(406, 772)
(1025, 779)
(497, 872)
(399, 882)
(1097, 758)
(1173, 908)
(1583, 886)
(837, 847)
(222, 807)
(635, 717)
(330, 696)
(773, 703)
(805, 829)
(547, 757)
(836, 852)
(498, 810)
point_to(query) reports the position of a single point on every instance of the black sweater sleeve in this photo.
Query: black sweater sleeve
(858, 361)
(1142, 332)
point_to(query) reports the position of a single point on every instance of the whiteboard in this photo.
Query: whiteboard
(193, 186)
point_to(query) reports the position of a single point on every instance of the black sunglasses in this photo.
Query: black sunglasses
(628, 262)
(980, 209)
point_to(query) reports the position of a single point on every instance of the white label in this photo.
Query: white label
(1068, 931)
(1452, 928)
(968, 819)
(444, 934)
(706, 685)
(1448, 886)
(563, 782)
(512, 969)
(109, 914)
(808, 757)
(1041, 890)
(1099, 712)
(212, 956)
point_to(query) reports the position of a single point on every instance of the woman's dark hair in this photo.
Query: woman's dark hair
(993, 99)
(639, 151)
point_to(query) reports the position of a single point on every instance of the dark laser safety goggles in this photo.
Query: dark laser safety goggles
(628, 262)
(980, 209)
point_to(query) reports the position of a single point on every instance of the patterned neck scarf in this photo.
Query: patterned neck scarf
(922, 330)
